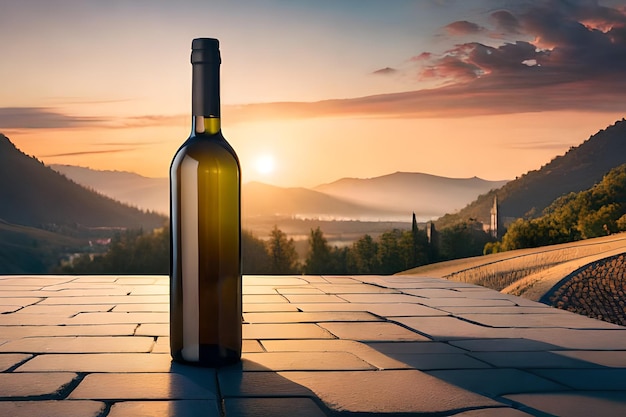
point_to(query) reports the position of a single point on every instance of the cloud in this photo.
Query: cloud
(41, 118)
(82, 153)
(385, 71)
(48, 118)
(463, 27)
(547, 55)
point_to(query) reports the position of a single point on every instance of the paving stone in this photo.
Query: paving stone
(303, 361)
(40, 281)
(435, 292)
(309, 317)
(8, 360)
(146, 386)
(464, 301)
(616, 359)
(251, 346)
(17, 319)
(565, 320)
(578, 339)
(18, 332)
(143, 280)
(150, 289)
(119, 318)
(341, 279)
(392, 348)
(96, 279)
(114, 299)
(502, 345)
(395, 391)
(135, 308)
(431, 361)
(356, 288)
(298, 290)
(382, 298)
(52, 408)
(451, 328)
(8, 300)
(284, 306)
(9, 308)
(236, 383)
(68, 311)
(264, 299)
(272, 407)
(371, 331)
(362, 350)
(314, 298)
(380, 309)
(506, 309)
(496, 382)
(576, 404)
(278, 281)
(259, 289)
(162, 345)
(179, 408)
(79, 344)
(607, 379)
(82, 285)
(530, 359)
(153, 329)
(284, 331)
(314, 279)
(99, 362)
(14, 384)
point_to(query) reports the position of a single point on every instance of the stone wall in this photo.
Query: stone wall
(597, 290)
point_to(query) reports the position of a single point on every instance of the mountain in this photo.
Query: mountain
(35, 195)
(388, 198)
(578, 169)
(127, 187)
(407, 192)
(259, 200)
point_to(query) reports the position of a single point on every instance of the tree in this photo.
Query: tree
(318, 258)
(362, 258)
(255, 259)
(393, 252)
(322, 258)
(282, 253)
(462, 240)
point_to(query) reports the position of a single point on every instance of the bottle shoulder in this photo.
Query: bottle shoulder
(207, 149)
(207, 143)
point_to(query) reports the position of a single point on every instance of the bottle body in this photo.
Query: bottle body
(205, 247)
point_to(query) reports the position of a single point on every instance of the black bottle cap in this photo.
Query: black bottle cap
(205, 50)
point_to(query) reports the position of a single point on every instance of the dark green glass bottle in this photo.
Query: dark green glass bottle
(205, 220)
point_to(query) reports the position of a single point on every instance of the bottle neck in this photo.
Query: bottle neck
(206, 98)
(206, 125)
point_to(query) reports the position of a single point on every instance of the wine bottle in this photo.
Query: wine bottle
(205, 220)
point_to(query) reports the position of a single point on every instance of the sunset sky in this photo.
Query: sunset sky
(315, 90)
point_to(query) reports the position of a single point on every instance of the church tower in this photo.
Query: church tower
(493, 227)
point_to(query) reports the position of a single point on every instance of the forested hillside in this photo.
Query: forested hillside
(35, 195)
(577, 170)
(45, 217)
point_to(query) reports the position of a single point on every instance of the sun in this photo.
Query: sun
(265, 164)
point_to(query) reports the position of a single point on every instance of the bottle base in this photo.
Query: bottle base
(210, 356)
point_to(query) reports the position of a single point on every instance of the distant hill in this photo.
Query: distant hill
(260, 200)
(407, 192)
(387, 198)
(35, 195)
(578, 169)
(127, 187)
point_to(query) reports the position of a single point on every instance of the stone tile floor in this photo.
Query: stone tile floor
(97, 346)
